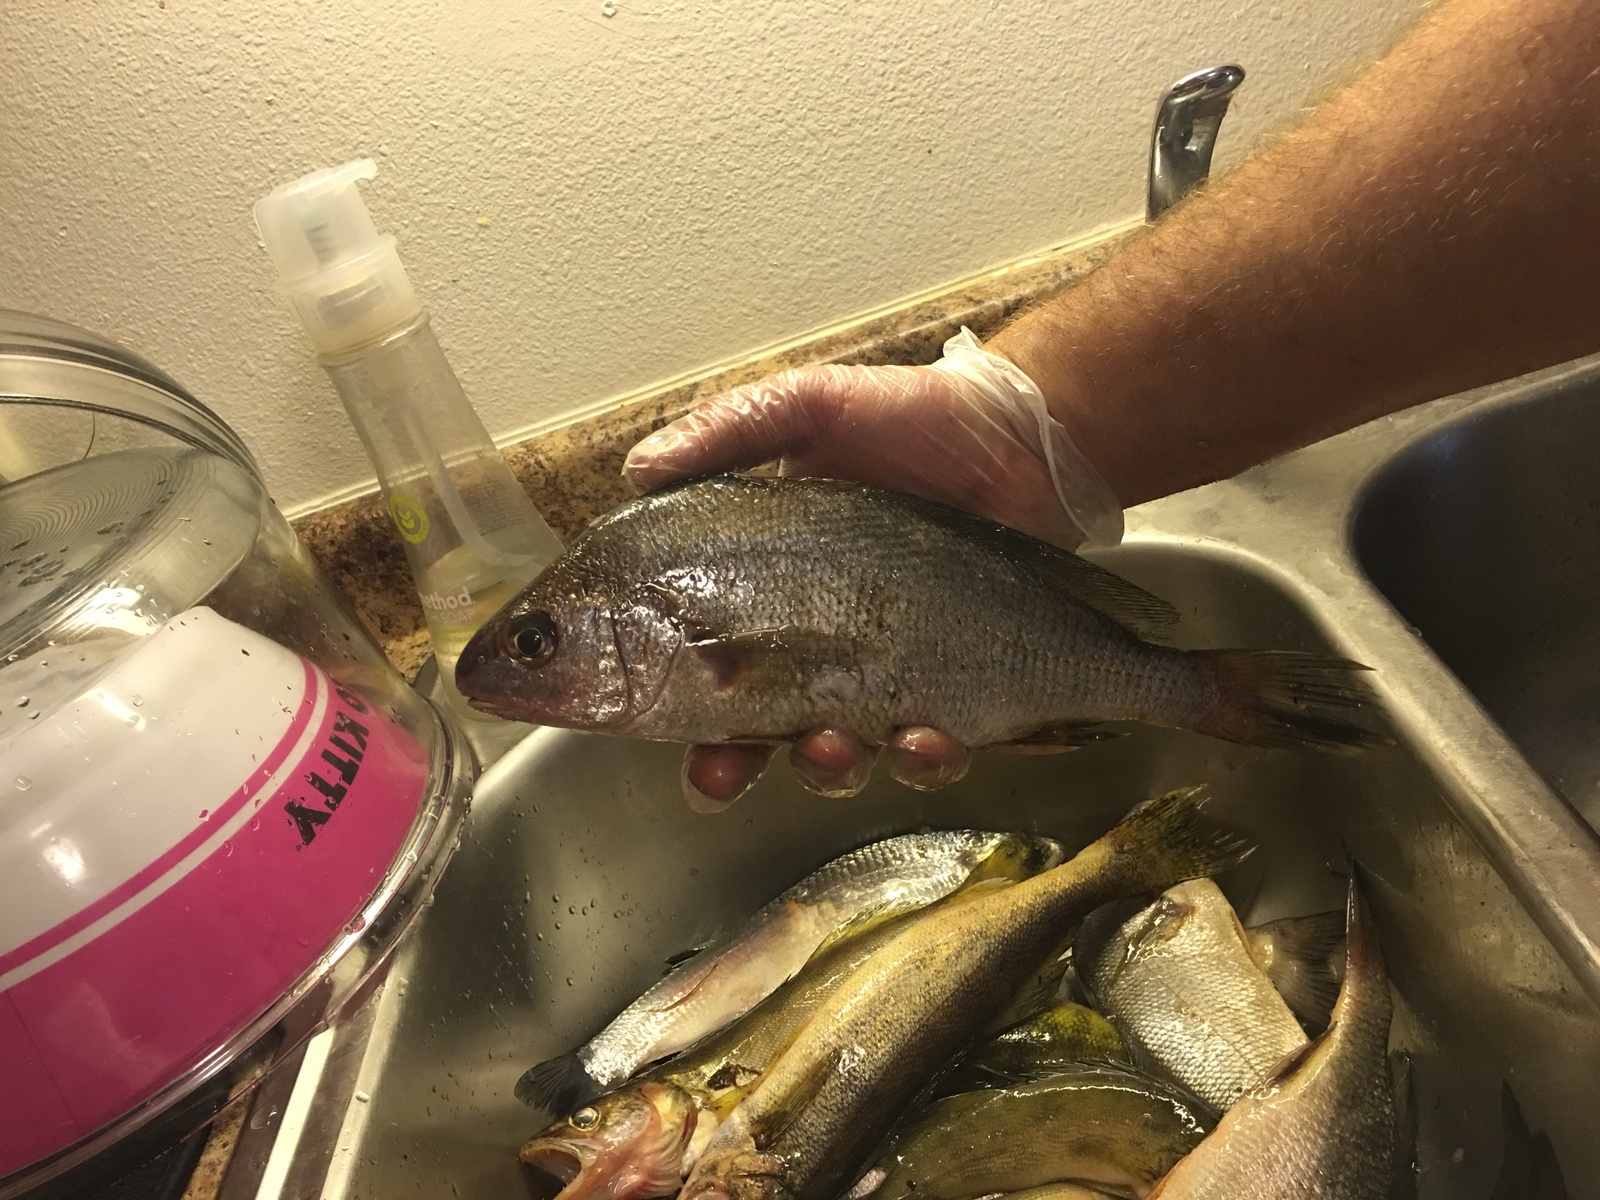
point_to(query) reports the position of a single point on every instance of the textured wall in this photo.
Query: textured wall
(591, 196)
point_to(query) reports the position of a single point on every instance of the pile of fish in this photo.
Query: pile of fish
(906, 1022)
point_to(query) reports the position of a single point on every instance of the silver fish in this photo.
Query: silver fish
(724, 981)
(1178, 982)
(1322, 1125)
(753, 610)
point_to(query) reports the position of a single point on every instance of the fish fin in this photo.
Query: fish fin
(559, 1084)
(1058, 738)
(700, 979)
(1109, 594)
(1284, 1069)
(731, 1074)
(1516, 1154)
(673, 961)
(753, 655)
(1300, 964)
(766, 1129)
(1090, 584)
(1403, 1174)
(869, 918)
(1528, 1166)
(1286, 699)
(1168, 839)
(1033, 997)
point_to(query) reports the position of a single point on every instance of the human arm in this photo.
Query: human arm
(1434, 227)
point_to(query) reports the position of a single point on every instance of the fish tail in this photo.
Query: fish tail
(1169, 839)
(1285, 699)
(1366, 984)
(1301, 963)
(558, 1084)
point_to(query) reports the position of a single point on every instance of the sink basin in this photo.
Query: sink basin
(583, 871)
(1485, 535)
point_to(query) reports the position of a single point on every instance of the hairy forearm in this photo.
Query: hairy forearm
(1435, 227)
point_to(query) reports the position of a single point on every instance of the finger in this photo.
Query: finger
(744, 428)
(715, 776)
(831, 762)
(925, 758)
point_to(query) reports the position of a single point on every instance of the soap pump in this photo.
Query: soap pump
(472, 535)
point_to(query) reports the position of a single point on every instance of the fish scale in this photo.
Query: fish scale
(754, 609)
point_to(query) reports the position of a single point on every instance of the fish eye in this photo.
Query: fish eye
(584, 1118)
(532, 638)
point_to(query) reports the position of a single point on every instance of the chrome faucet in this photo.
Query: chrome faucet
(1191, 112)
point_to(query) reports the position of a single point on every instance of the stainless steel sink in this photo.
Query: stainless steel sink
(583, 870)
(1485, 534)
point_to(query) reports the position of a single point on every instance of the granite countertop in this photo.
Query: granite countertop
(574, 473)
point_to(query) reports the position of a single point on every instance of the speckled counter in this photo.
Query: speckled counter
(574, 473)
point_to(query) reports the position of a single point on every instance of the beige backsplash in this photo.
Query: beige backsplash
(574, 473)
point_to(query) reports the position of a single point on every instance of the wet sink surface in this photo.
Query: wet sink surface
(583, 871)
(1485, 534)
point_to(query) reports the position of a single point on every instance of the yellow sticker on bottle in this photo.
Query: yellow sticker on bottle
(409, 517)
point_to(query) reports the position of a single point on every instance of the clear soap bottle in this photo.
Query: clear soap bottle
(472, 535)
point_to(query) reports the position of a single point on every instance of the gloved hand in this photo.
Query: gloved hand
(971, 430)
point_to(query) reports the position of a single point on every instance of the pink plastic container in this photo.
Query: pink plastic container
(219, 806)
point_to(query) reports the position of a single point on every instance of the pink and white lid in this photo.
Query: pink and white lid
(178, 846)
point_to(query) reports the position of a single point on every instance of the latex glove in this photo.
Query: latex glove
(971, 430)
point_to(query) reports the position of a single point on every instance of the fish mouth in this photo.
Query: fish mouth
(561, 1162)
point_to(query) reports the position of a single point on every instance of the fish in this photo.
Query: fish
(641, 1139)
(1061, 1036)
(649, 1132)
(736, 609)
(723, 981)
(1178, 982)
(1321, 1126)
(1303, 957)
(1100, 1125)
(884, 1034)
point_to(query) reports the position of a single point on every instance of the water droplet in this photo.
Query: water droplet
(133, 720)
(22, 702)
(23, 783)
(138, 700)
(362, 1097)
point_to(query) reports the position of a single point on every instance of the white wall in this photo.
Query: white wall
(590, 196)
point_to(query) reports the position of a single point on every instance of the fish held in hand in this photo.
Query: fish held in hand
(1322, 1126)
(724, 981)
(1099, 1125)
(1177, 980)
(749, 610)
(899, 1018)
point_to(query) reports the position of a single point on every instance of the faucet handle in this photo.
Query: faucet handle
(1191, 112)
